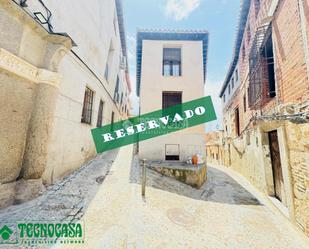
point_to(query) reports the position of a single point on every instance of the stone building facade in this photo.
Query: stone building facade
(171, 69)
(63, 71)
(266, 114)
(214, 147)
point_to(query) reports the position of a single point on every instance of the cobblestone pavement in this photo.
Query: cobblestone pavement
(67, 199)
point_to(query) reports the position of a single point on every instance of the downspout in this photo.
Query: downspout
(304, 33)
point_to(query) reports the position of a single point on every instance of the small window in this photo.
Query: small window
(257, 5)
(237, 124)
(109, 62)
(245, 103)
(121, 99)
(236, 75)
(171, 62)
(115, 24)
(248, 34)
(172, 152)
(171, 98)
(87, 106)
(243, 52)
(233, 83)
(100, 114)
(106, 72)
(229, 89)
(116, 93)
(269, 58)
(112, 118)
(223, 98)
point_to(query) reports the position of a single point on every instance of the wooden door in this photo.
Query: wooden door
(276, 166)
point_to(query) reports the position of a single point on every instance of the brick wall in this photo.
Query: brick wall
(249, 152)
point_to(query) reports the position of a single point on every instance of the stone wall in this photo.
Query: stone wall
(43, 80)
(249, 153)
(298, 144)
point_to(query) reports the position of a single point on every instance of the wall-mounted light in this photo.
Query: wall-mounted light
(40, 17)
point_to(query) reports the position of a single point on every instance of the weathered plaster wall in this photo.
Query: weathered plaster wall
(42, 90)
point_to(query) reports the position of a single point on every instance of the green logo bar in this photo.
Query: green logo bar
(154, 124)
(31, 233)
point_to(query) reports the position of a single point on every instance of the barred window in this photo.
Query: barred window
(237, 122)
(87, 106)
(171, 98)
(171, 62)
(100, 114)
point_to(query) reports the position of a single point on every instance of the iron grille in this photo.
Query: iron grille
(87, 107)
(258, 66)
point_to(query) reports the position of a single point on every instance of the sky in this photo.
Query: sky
(219, 17)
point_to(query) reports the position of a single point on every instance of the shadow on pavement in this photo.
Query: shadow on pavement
(219, 187)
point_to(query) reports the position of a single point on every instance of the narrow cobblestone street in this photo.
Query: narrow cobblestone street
(225, 213)
(163, 124)
(222, 214)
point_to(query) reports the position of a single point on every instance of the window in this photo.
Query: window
(115, 22)
(262, 81)
(248, 33)
(171, 62)
(245, 104)
(269, 58)
(109, 62)
(87, 106)
(243, 52)
(232, 82)
(229, 89)
(237, 124)
(172, 152)
(223, 98)
(121, 99)
(257, 5)
(236, 75)
(100, 114)
(171, 98)
(116, 94)
(106, 72)
(112, 118)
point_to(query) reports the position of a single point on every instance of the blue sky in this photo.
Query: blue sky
(219, 17)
